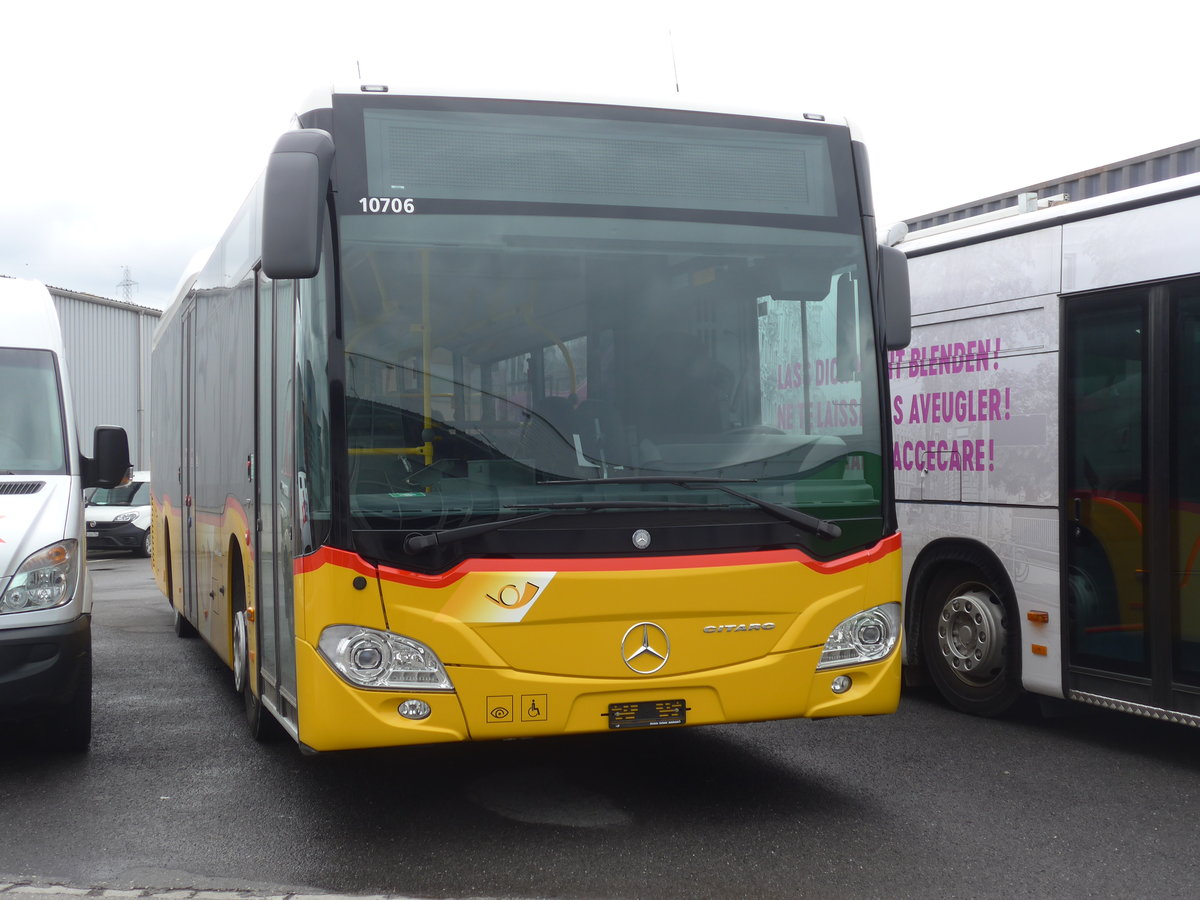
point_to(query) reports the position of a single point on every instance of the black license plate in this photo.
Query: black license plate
(646, 714)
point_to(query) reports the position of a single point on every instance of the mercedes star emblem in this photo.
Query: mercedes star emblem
(645, 648)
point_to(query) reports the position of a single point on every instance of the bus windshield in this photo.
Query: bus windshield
(519, 324)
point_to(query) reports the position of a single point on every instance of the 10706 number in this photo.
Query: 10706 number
(387, 205)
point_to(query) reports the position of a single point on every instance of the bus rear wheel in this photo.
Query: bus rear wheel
(967, 642)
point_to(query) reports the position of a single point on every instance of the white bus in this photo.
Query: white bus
(493, 418)
(1046, 431)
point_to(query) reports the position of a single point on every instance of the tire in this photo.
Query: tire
(966, 640)
(144, 549)
(259, 721)
(70, 728)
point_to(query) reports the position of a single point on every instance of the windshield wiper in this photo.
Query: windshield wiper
(822, 528)
(610, 504)
(415, 543)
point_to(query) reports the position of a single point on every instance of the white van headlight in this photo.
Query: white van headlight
(46, 579)
(125, 517)
(379, 659)
(865, 637)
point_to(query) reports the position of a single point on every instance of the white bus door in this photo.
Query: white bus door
(1131, 395)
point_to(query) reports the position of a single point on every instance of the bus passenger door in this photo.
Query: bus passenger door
(1131, 433)
(274, 466)
(187, 465)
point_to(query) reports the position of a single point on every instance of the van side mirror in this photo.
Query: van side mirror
(897, 302)
(294, 203)
(110, 465)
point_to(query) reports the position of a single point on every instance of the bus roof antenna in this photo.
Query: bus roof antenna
(674, 65)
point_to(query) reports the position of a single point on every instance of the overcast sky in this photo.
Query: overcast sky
(133, 130)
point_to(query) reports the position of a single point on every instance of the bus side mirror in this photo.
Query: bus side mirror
(294, 203)
(897, 303)
(110, 464)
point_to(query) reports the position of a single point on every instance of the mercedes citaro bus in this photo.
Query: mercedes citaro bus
(509, 417)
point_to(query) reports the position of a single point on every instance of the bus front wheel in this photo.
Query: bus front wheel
(968, 642)
(261, 723)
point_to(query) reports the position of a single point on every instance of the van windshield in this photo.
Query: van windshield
(136, 493)
(32, 437)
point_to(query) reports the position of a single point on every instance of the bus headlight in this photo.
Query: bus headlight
(382, 660)
(44, 580)
(865, 637)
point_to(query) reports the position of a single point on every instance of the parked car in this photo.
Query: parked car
(118, 518)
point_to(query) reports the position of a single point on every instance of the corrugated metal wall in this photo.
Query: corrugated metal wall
(108, 355)
(1183, 159)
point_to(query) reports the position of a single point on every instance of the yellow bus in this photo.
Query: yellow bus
(511, 417)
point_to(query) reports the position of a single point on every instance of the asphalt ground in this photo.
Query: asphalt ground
(174, 800)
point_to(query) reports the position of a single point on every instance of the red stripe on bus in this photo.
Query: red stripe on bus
(348, 560)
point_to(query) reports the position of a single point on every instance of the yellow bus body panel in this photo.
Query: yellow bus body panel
(540, 648)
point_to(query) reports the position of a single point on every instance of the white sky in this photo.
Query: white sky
(133, 130)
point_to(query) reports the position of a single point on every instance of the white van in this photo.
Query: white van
(119, 518)
(45, 588)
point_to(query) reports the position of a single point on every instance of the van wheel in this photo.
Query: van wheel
(70, 728)
(967, 640)
(144, 549)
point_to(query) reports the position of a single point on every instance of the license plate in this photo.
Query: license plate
(93, 534)
(646, 714)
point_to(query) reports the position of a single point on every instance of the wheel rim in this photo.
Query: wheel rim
(971, 635)
(241, 661)
(146, 543)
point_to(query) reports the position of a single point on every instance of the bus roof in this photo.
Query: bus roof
(322, 98)
(1159, 165)
(1030, 214)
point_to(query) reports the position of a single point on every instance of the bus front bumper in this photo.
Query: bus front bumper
(496, 704)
